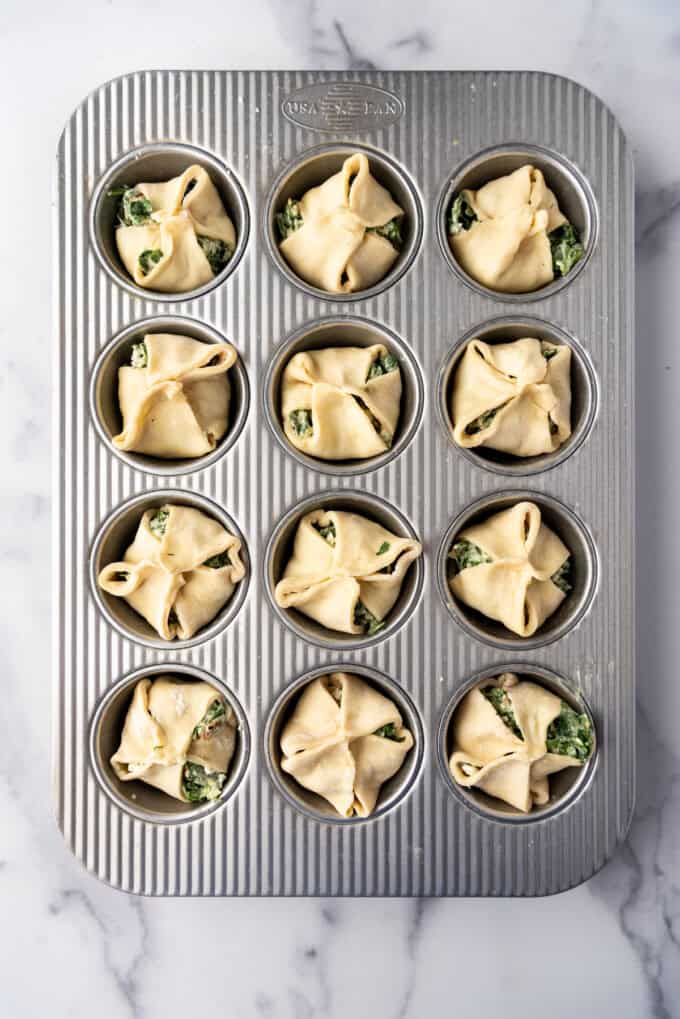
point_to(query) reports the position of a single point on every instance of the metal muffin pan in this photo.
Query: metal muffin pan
(426, 135)
(136, 798)
(308, 803)
(105, 409)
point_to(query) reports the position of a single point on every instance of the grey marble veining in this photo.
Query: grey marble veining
(70, 946)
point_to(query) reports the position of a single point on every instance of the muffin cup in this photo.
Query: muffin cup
(573, 193)
(315, 807)
(345, 331)
(161, 162)
(116, 534)
(584, 393)
(566, 787)
(313, 167)
(142, 801)
(280, 548)
(105, 409)
(575, 535)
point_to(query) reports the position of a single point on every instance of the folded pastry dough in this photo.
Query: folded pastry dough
(343, 740)
(178, 573)
(514, 397)
(174, 397)
(331, 236)
(179, 737)
(175, 235)
(345, 572)
(506, 245)
(511, 568)
(341, 403)
(512, 760)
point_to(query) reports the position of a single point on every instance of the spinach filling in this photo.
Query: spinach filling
(216, 251)
(382, 366)
(366, 619)
(550, 352)
(385, 547)
(199, 785)
(139, 358)
(482, 422)
(385, 436)
(498, 697)
(158, 522)
(148, 259)
(327, 531)
(570, 734)
(301, 422)
(562, 578)
(465, 554)
(134, 208)
(290, 220)
(389, 731)
(213, 719)
(566, 249)
(217, 562)
(391, 231)
(461, 216)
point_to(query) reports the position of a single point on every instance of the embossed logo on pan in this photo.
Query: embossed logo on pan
(342, 105)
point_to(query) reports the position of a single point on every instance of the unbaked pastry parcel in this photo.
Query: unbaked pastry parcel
(174, 396)
(341, 403)
(178, 737)
(512, 568)
(179, 571)
(510, 735)
(345, 234)
(174, 235)
(345, 572)
(514, 397)
(510, 235)
(343, 740)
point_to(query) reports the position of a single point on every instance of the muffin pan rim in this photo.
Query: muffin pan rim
(189, 672)
(229, 611)
(144, 462)
(412, 764)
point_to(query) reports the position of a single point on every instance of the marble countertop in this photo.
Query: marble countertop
(69, 943)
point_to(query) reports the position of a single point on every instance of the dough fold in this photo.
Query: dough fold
(330, 745)
(507, 247)
(516, 586)
(332, 249)
(165, 578)
(330, 383)
(489, 756)
(177, 220)
(326, 582)
(529, 392)
(159, 735)
(178, 404)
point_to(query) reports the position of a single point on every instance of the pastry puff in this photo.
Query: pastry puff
(163, 575)
(515, 587)
(177, 220)
(178, 405)
(507, 248)
(326, 581)
(332, 250)
(158, 738)
(328, 383)
(331, 748)
(530, 393)
(489, 756)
